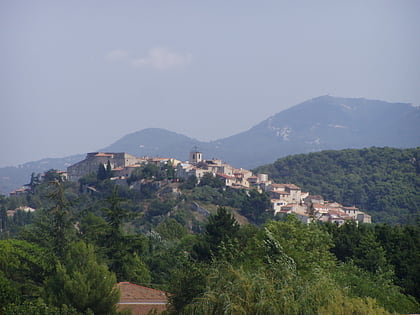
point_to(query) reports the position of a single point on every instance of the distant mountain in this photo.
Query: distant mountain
(13, 177)
(323, 123)
(155, 142)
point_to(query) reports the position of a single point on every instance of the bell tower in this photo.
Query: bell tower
(195, 156)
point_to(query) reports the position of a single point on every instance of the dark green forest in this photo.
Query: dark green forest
(384, 182)
(67, 256)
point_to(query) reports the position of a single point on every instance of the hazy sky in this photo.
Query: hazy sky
(76, 76)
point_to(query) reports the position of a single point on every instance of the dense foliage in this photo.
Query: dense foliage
(384, 182)
(184, 238)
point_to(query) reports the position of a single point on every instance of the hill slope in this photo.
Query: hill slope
(383, 181)
(323, 123)
(155, 142)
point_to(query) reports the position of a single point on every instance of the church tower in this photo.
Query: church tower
(195, 156)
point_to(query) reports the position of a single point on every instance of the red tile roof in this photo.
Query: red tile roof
(315, 197)
(292, 186)
(140, 300)
(280, 192)
(225, 176)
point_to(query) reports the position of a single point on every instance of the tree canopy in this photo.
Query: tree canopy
(382, 181)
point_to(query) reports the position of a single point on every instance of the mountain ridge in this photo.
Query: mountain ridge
(321, 123)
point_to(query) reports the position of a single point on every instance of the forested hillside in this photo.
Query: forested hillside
(225, 255)
(384, 182)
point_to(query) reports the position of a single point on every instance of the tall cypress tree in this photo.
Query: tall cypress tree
(102, 173)
(108, 170)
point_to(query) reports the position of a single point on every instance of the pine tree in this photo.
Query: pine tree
(80, 281)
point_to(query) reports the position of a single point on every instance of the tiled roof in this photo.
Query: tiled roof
(292, 186)
(278, 185)
(315, 197)
(140, 300)
(135, 292)
(225, 176)
(280, 192)
(319, 205)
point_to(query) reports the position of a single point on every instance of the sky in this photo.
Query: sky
(75, 76)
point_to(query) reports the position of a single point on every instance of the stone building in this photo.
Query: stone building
(92, 161)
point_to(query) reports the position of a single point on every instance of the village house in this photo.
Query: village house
(287, 193)
(122, 173)
(289, 199)
(285, 198)
(198, 167)
(261, 182)
(228, 180)
(314, 199)
(141, 300)
(19, 192)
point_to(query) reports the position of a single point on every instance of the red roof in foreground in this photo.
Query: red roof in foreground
(140, 300)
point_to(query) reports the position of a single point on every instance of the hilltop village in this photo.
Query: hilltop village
(285, 198)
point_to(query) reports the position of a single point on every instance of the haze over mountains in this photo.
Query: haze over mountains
(318, 124)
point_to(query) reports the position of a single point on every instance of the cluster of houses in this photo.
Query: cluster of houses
(290, 199)
(285, 198)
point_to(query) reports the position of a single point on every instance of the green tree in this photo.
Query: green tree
(168, 171)
(382, 181)
(307, 245)
(36, 307)
(102, 173)
(33, 182)
(402, 250)
(171, 230)
(123, 251)
(190, 182)
(379, 285)
(187, 283)
(53, 226)
(83, 283)
(358, 243)
(52, 175)
(93, 228)
(108, 170)
(254, 207)
(25, 266)
(209, 179)
(221, 229)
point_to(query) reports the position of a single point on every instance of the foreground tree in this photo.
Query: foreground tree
(123, 251)
(23, 267)
(221, 230)
(53, 226)
(83, 283)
